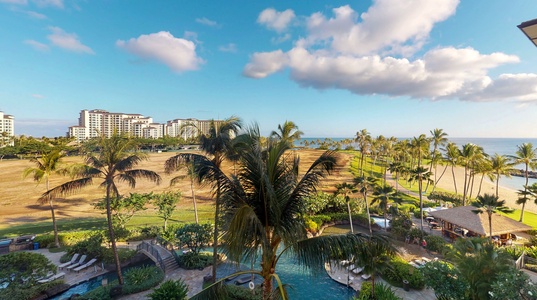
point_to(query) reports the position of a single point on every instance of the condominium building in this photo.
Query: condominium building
(93, 123)
(7, 129)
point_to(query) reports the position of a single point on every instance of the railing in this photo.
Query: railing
(519, 263)
(149, 248)
(165, 245)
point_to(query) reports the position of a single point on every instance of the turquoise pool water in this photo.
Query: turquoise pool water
(301, 284)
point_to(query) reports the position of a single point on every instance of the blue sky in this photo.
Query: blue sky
(397, 68)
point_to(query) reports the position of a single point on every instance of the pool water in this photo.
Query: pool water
(380, 222)
(301, 284)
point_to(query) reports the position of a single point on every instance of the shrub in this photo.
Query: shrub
(142, 279)
(170, 290)
(71, 238)
(44, 240)
(91, 246)
(193, 260)
(100, 293)
(416, 232)
(400, 270)
(435, 243)
(311, 226)
(194, 236)
(382, 291)
(241, 293)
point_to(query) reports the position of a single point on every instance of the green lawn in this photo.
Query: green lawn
(530, 219)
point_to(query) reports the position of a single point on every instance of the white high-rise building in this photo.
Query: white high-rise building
(93, 123)
(7, 125)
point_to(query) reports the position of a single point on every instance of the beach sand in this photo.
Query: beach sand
(509, 195)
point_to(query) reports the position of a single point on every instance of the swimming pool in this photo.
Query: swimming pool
(380, 222)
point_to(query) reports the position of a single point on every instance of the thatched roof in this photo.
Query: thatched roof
(464, 217)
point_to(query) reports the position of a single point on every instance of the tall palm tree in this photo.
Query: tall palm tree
(452, 154)
(115, 162)
(439, 138)
(363, 138)
(288, 131)
(346, 189)
(383, 194)
(420, 146)
(49, 164)
(191, 174)
(420, 174)
(398, 168)
(526, 155)
(366, 185)
(490, 204)
(264, 205)
(500, 165)
(470, 155)
(217, 144)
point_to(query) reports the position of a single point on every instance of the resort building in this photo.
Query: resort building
(93, 123)
(7, 129)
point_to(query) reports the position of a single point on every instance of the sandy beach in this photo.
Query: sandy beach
(509, 195)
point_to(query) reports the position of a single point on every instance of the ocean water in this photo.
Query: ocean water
(502, 146)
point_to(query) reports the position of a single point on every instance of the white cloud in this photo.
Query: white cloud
(17, 2)
(37, 45)
(67, 41)
(55, 3)
(35, 15)
(281, 39)
(178, 54)
(228, 48)
(275, 20)
(207, 22)
(372, 53)
(38, 96)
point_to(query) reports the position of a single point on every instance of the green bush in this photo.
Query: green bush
(44, 240)
(382, 291)
(435, 243)
(170, 290)
(142, 279)
(100, 293)
(311, 226)
(71, 238)
(90, 246)
(400, 270)
(193, 260)
(241, 293)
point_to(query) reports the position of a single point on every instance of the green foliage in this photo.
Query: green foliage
(124, 208)
(400, 270)
(166, 204)
(456, 199)
(311, 226)
(241, 293)
(515, 251)
(31, 292)
(416, 233)
(92, 247)
(435, 243)
(71, 238)
(513, 285)
(445, 280)
(400, 225)
(142, 279)
(44, 240)
(192, 260)
(194, 236)
(100, 293)
(21, 270)
(170, 290)
(324, 203)
(382, 291)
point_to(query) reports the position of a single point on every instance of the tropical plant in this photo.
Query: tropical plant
(526, 155)
(420, 174)
(217, 144)
(438, 137)
(166, 204)
(513, 285)
(363, 138)
(500, 165)
(194, 236)
(114, 162)
(170, 290)
(383, 194)
(366, 185)
(445, 280)
(190, 173)
(452, 154)
(469, 157)
(490, 204)
(288, 131)
(21, 270)
(49, 164)
(346, 190)
(124, 208)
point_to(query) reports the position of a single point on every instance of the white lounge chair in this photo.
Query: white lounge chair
(350, 267)
(357, 270)
(81, 261)
(425, 259)
(86, 265)
(72, 261)
(366, 276)
(53, 277)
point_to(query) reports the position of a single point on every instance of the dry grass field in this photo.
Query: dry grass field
(18, 196)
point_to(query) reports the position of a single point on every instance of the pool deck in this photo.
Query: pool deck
(345, 277)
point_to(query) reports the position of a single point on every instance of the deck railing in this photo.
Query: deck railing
(153, 251)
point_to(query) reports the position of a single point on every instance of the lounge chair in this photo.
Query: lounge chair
(243, 280)
(366, 276)
(425, 259)
(80, 262)
(52, 278)
(357, 270)
(86, 265)
(350, 267)
(72, 261)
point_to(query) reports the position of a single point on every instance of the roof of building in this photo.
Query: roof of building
(463, 216)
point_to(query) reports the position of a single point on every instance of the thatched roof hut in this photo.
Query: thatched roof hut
(464, 217)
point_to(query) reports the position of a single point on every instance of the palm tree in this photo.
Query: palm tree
(420, 146)
(346, 190)
(44, 168)
(469, 157)
(398, 168)
(500, 165)
(420, 174)
(363, 138)
(191, 174)
(216, 144)
(438, 137)
(288, 131)
(490, 204)
(114, 162)
(365, 185)
(383, 194)
(263, 206)
(526, 155)
(452, 157)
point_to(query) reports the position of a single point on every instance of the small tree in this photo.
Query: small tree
(194, 236)
(170, 290)
(445, 280)
(20, 270)
(124, 208)
(166, 204)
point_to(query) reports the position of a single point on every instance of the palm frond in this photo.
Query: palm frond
(128, 163)
(146, 174)
(66, 189)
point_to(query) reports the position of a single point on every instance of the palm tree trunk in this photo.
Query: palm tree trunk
(368, 215)
(112, 235)
(480, 185)
(350, 215)
(215, 237)
(420, 183)
(194, 199)
(490, 224)
(471, 186)
(497, 184)
(525, 190)
(439, 178)
(454, 179)
(464, 186)
(54, 225)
